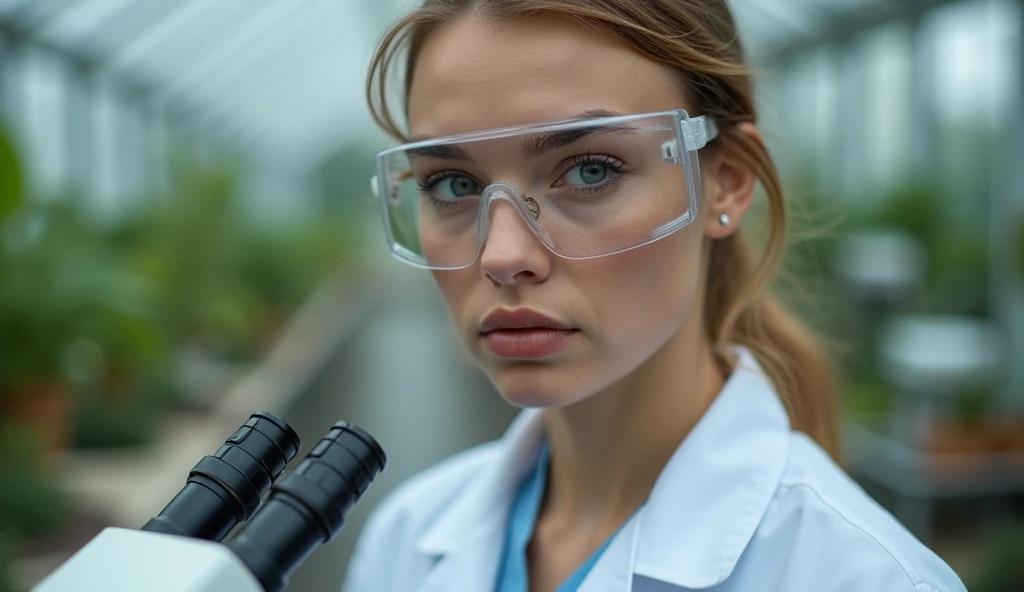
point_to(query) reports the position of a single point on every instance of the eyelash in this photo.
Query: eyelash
(427, 186)
(615, 166)
(435, 178)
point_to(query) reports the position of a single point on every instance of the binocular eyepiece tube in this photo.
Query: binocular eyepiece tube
(226, 488)
(307, 507)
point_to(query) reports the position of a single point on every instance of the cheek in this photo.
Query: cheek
(455, 287)
(643, 296)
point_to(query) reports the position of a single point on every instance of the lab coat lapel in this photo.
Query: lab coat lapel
(472, 568)
(710, 496)
(699, 518)
(469, 538)
(613, 572)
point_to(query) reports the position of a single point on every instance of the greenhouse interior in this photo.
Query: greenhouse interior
(189, 235)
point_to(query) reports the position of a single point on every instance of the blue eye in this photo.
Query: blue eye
(453, 187)
(589, 173)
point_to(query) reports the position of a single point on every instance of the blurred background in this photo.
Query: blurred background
(187, 235)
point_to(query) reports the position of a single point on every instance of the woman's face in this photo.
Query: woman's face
(606, 316)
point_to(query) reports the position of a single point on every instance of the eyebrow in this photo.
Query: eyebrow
(536, 146)
(444, 151)
(532, 147)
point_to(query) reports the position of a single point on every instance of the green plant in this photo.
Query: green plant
(58, 285)
(31, 503)
(105, 422)
(957, 254)
(807, 282)
(10, 176)
(972, 404)
(73, 315)
(1002, 569)
(283, 264)
(6, 563)
(185, 247)
(915, 208)
(869, 399)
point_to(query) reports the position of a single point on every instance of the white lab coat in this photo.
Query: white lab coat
(744, 504)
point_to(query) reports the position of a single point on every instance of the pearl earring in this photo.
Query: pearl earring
(723, 220)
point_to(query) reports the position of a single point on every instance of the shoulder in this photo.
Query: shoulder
(406, 513)
(826, 514)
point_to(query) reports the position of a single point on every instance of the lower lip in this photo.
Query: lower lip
(528, 343)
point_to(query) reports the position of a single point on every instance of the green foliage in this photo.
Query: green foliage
(58, 285)
(957, 254)
(868, 401)
(31, 504)
(955, 281)
(6, 563)
(973, 404)
(101, 423)
(1003, 565)
(807, 280)
(184, 247)
(218, 275)
(112, 416)
(282, 264)
(11, 190)
(105, 306)
(915, 209)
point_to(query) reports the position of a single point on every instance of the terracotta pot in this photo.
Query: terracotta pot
(960, 437)
(45, 407)
(1010, 434)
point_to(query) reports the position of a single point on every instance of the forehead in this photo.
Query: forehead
(475, 74)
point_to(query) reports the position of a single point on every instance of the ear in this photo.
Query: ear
(728, 188)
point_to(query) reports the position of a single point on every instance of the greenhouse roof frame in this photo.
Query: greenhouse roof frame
(206, 61)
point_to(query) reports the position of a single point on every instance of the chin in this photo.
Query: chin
(536, 386)
(534, 400)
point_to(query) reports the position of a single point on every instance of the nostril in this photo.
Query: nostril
(523, 275)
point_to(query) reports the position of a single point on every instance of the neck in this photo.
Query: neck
(608, 450)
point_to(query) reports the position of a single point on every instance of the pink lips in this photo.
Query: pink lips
(524, 333)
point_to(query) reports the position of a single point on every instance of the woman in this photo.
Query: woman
(574, 175)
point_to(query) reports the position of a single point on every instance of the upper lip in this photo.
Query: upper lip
(520, 318)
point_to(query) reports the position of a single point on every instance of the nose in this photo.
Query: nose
(512, 253)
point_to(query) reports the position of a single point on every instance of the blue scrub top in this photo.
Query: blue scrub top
(512, 574)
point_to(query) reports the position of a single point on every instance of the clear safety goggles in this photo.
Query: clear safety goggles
(586, 188)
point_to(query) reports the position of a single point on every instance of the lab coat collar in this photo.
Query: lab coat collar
(716, 487)
(487, 499)
(699, 518)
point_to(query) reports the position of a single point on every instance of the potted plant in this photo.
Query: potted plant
(57, 287)
(186, 247)
(31, 502)
(30, 392)
(32, 505)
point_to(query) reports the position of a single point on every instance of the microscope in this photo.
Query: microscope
(183, 549)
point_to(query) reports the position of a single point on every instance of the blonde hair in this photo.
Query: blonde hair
(697, 39)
